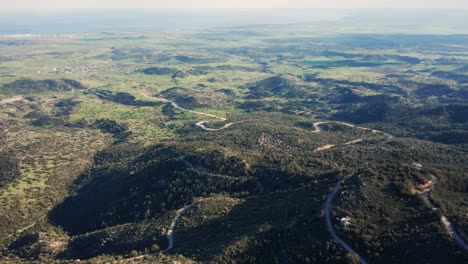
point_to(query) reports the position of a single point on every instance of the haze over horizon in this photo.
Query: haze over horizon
(72, 16)
(32, 5)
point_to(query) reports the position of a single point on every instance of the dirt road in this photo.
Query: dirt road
(329, 223)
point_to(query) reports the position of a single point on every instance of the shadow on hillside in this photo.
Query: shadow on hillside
(285, 225)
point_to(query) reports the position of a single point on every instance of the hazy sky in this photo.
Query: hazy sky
(31, 5)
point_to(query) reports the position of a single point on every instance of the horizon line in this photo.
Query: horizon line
(239, 8)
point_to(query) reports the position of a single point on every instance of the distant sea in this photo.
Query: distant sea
(135, 20)
(95, 21)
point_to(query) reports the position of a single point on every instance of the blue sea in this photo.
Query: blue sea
(95, 21)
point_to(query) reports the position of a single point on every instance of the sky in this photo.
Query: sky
(37, 5)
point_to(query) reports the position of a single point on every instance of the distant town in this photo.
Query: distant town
(84, 68)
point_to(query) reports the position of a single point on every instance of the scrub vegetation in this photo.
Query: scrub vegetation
(231, 141)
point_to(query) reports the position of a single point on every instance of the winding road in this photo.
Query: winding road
(318, 130)
(170, 232)
(452, 232)
(329, 223)
(200, 124)
(425, 194)
(448, 226)
(316, 126)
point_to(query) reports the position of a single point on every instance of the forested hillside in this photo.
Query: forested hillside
(256, 144)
